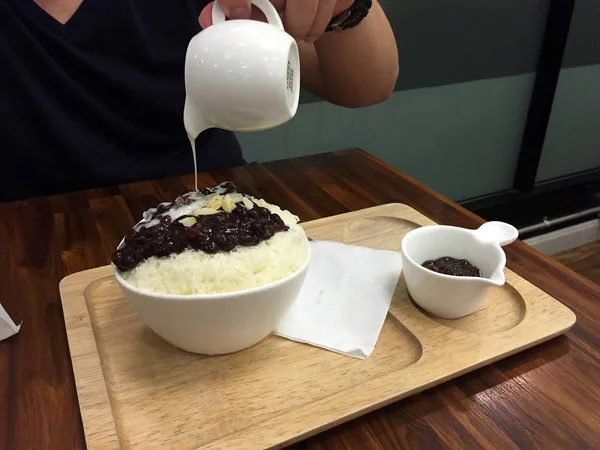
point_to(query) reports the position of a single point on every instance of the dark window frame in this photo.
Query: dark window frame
(527, 202)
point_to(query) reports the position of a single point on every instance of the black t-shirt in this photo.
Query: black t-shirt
(98, 101)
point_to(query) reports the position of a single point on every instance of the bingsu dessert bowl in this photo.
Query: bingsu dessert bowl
(215, 271)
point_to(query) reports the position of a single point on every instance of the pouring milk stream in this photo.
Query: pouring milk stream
(240, 75)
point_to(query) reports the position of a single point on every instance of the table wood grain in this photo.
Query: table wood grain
(545, 397)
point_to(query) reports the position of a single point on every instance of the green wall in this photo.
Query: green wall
(456, 118)
(573, 139)
(461, 139)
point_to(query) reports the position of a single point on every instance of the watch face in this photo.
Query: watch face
(339, 20)
(351, 17)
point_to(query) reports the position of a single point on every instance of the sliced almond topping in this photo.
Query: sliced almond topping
(236, 197)
(204, 211)
(228, 204)
(247, 203)
(215, 202)
(188, 221)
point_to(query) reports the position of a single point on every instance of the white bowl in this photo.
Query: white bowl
(447, 296)
(213, 324)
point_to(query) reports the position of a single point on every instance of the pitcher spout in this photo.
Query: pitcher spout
(497, 278)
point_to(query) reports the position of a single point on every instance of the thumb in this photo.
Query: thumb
(233, 9)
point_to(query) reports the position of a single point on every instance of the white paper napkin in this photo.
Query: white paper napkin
(345, 298)
(7, 326)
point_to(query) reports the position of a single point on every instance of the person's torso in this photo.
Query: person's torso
(98, 100)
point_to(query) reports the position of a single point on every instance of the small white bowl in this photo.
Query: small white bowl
(447, 296)
(217, 323)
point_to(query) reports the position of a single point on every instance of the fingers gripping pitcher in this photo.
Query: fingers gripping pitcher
(241, 75)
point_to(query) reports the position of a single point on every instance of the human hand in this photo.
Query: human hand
(305, 20)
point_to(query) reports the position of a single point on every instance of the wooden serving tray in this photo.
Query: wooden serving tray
(137, 391)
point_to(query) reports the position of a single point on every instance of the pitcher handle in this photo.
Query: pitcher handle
(218, 16)
(498, 232)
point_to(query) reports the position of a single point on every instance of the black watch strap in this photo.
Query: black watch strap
(351, 17)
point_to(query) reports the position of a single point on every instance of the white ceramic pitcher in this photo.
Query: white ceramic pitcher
(241, 75)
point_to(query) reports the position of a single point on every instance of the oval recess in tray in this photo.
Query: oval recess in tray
(377, 232)
(503, 309)
(150, 376)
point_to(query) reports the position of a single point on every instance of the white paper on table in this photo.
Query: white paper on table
(7, 326)
(344, 301)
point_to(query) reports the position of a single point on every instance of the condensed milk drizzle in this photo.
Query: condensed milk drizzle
(193, 147)
(194, 125)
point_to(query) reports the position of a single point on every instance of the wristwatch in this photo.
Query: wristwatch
(351, 17)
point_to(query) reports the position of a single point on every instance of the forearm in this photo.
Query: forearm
(354, 68)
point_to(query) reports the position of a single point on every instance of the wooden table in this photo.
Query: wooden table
(546, 397)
